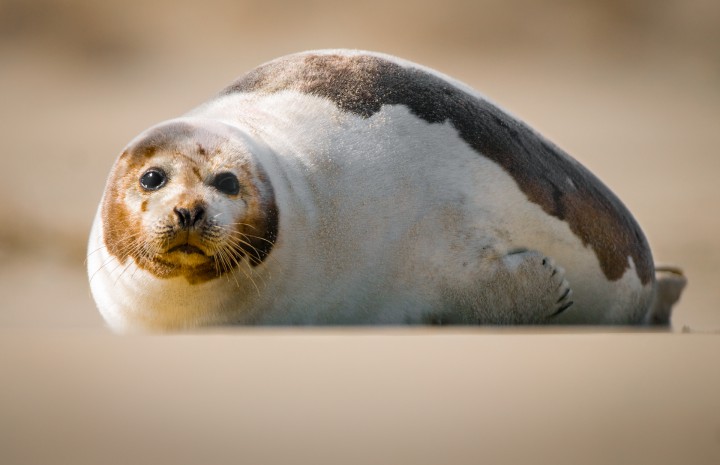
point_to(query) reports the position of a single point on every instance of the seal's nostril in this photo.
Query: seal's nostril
(189, 218)
(183, 215)
(197, 215)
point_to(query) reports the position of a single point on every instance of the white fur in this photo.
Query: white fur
(372, 230)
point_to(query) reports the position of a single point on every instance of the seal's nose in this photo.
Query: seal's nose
(189, 218)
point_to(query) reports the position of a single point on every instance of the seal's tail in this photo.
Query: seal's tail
(670, 283)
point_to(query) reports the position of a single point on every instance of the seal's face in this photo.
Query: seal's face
(189, 200)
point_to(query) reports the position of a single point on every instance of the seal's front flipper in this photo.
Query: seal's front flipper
(528, 288)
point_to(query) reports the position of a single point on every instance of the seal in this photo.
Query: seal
(350, 187)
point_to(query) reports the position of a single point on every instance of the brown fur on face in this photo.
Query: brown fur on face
(249, 237)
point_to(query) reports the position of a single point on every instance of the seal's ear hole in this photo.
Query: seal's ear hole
(227, 183)
(153, 179)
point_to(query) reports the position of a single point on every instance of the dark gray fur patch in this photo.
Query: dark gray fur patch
(363, 84)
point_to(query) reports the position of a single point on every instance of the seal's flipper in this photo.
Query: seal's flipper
(669, 287)
(528, 288)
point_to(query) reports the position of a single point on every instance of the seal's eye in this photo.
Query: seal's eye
(153, 179)
(227, 183)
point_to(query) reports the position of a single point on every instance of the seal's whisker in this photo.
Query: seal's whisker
(251, 271)
(92, 252)
(243, 224)
(227, 265)
(254, 237)
(128, 246)
(246, 240)
(258, 255)
(238, 243)
(247, 275)
(132, 252)
(246, 235)
(233, 249)
(102, 265)
(117, 266)
(132, 276)
(218, 264)
(130, 262)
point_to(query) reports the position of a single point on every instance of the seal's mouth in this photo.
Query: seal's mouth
(186, 249)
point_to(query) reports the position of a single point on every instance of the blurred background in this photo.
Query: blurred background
(631, 88)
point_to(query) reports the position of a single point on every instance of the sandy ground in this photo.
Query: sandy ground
(630, 88)
(358, 397)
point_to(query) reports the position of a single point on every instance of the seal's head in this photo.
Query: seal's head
(188, 199)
